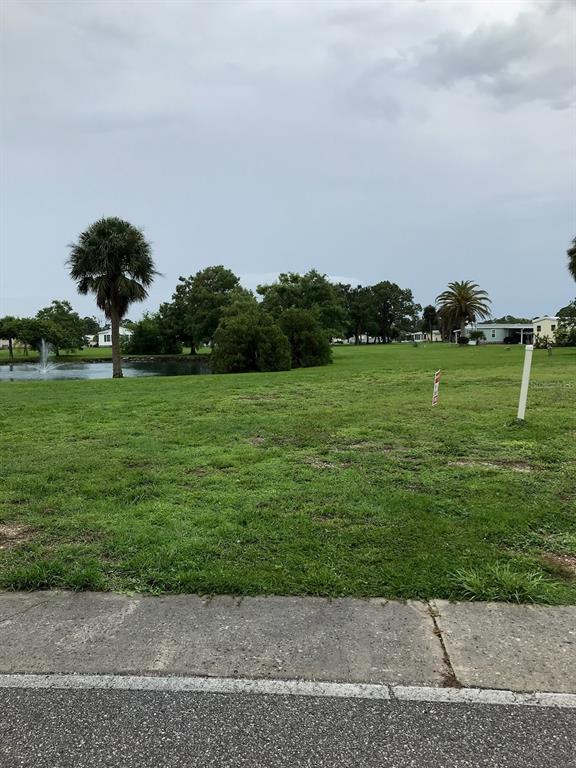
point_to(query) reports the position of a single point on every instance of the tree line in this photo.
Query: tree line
(288, 323)
(58, 324)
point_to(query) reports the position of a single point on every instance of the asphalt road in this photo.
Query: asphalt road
(149, 729)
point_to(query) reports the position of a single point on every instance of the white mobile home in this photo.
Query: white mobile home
(424, 336)
(105, 336)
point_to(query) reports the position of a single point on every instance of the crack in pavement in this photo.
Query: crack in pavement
(24, 610)
(449, 678)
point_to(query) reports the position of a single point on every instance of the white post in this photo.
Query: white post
(525, 382)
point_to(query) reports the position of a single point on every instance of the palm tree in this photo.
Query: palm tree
(572, 258)
(113, 261)
(429, 319)
(462, 303)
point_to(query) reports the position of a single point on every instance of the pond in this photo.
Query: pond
(101, 370)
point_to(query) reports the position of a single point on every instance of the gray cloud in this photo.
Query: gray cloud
(361, 138)
(531, 58)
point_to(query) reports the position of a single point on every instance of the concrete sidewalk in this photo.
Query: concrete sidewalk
(496, 646)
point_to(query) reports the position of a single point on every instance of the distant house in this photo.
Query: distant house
(105, 336)
(545, 327)
(4, 344)
(517, 333)
(423, 336)
(505, 333)
(362, 339)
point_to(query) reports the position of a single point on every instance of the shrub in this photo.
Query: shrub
(309, 344)
(151, 337)
(565, 336)
(463, 339)
(249, 339)
(477, 336)
(542, 342)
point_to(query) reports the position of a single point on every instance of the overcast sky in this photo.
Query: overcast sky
(414, 141)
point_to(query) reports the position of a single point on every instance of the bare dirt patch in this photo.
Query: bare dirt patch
(317, 463)
(13, 534)
(197, 471)
(366, 445)
(514, 466)
(563, 564)
(256, 440)
(138, 464)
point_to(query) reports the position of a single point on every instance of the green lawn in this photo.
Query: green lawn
(88, 353)
(329, 481)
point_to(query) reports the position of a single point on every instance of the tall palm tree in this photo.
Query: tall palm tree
(462, 303)
(572, 258)
(113, 261)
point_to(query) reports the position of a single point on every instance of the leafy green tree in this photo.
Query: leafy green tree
(567, 314)
(249, 339)
(359, 314)
(63, 328)
(565, 334)
(31, 331)
(151, 336)
(308, 342)
(198, 302)
(394, 310)
(461, 303)
(571, 252)
(312, 291)
(9, 330)
(429, 320)
(91, 326)
(113, 260)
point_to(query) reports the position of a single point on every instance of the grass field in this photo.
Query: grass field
(96, 353)
(330, 481)
(88, 353)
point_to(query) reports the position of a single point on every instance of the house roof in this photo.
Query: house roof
(544, 317)
(108, 329)
(488, 324)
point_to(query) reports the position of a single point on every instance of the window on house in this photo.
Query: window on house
(538, 328)
(107, 337)
(553, 327)
(493, 334)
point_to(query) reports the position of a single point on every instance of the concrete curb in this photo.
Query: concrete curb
(346, 641)
(239, 686)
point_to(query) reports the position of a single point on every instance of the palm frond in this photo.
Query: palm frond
(113, 260)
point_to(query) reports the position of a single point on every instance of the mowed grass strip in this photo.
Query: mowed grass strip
(334, 481)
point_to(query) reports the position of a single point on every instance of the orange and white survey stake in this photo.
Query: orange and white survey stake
(436, 388)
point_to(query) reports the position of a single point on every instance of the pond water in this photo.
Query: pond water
(100, 370)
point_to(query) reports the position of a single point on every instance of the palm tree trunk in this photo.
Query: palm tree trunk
(10, 350)
(116, 354)
(462, 328)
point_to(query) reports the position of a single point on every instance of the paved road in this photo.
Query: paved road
(150, 729)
